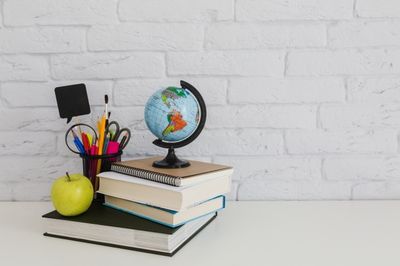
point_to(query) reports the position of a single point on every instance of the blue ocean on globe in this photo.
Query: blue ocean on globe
(172, 114)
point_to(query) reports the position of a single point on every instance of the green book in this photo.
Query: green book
(106, 226)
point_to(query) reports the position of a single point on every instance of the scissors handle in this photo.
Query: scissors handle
(125, 139)
(117, 129)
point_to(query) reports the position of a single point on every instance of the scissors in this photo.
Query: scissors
(117, 132)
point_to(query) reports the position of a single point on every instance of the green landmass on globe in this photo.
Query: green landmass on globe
(171, 93)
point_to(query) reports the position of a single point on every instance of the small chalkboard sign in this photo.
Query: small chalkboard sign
(72, 101)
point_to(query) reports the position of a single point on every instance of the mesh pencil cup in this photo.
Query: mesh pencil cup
(90, 164)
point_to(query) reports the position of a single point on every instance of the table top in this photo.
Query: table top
(245, 233)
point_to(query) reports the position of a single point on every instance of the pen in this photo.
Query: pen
(95, 162)
(78, 142)
(79, 146)
(105, 145)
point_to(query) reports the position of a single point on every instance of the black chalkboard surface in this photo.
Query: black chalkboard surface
(72, 100)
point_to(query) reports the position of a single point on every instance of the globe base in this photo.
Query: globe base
(171, 161)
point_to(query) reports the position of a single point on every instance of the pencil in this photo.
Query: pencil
(101, 140)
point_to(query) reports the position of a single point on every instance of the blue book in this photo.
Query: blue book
(166, 217)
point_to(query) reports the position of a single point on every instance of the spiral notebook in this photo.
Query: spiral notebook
(195, 173)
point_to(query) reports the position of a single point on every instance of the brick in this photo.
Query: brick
(235, 142)
(61, 148)
(360, 115)
(42, 40)
(107, 66)
(1, 20)
(23, 67)
(32, 119)
(295, 90)
(59, 12)
(364, 34)
(232, 194)
(259, 10)
(262, 116)
(194, 157)
(377, 9)
(261, 63)
(142, 144)
(146, 36)
(258, 36)
(23, 143)
(252, 168)
(42, 93)
(137, 91)
(6, 192)
(199, 158)
(32, 191)
(131, 117)
(37, 168)
(344, 62)
(176, 10)
(341, 141)
(302, 190)
(373, 90)
(362, 168)
(377, 190)
(214, 142)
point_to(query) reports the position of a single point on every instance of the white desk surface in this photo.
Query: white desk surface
(246, 233)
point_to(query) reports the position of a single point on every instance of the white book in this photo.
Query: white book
(163, 216)
(161, 195)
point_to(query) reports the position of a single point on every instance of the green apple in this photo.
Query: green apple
(72, 194)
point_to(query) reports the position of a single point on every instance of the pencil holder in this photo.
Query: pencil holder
(91, 165)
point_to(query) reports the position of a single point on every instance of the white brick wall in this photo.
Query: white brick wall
(303, 95)
(226, 63)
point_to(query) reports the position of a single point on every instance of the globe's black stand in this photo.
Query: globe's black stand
(171, 161)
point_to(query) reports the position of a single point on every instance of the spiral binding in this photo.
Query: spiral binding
(160, 178)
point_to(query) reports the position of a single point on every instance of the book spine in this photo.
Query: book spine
(165, 179)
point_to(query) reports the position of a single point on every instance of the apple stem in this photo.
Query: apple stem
(69, 178)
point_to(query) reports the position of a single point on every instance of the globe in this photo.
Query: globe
(176, 116)
(172, 114)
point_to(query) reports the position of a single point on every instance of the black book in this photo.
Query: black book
(106, 226)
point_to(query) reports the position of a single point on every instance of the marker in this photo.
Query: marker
(113, 147)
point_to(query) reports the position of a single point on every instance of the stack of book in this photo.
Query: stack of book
(149, 209)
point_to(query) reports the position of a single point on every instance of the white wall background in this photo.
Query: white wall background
(303, 96)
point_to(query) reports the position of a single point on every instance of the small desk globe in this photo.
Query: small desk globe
(176, 116)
